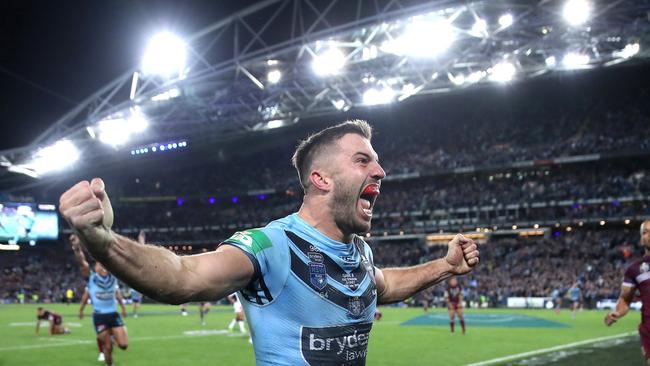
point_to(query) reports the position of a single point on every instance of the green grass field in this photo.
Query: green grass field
(161, 336)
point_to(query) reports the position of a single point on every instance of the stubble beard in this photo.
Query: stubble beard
(344, 210)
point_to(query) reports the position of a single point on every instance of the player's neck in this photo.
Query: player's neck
(321, 220)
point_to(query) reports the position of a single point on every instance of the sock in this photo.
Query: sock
(451, 324)
(232, 324)
(201, 314)
(100, 346)
(241, 326)
(462, 325)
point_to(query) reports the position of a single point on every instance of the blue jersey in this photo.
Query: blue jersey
(574, 293)
(102, 293)
(312, 299)
(135, 295)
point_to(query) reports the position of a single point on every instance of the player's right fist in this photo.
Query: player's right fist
(611, 318)
(88, 210)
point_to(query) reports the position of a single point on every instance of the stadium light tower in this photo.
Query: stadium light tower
(422, 38)
(329, 62)
(576, 12)
(57, 156)
(165, 56)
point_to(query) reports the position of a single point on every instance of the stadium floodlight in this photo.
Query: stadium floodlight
(457, 80)
(630, 50)
(550, 61)
(423, 38)
(503, 72)
(165, 56)
(369, 53)
(575, 60)
(329, 62)
(340, 104)
(273, 76)
(505, 20)
(113, 131)
(166, 95)
(137, 121)
(275, 123)
(476, 76)
(576, 12)
(375, 96)
(57, 156)
(479, 29)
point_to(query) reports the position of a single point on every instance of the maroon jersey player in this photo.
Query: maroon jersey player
(454, 299)
(55, 320)
(637, 277)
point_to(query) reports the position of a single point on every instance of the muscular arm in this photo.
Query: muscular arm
(397, 284)
(153, 271)
(120, 300)
(79, 256)
(84, 301)
(166, 277)
(622, 305)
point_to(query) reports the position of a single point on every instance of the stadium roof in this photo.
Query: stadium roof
(282, 61)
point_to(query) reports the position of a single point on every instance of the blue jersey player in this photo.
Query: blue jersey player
(307, 281)
(104, 293)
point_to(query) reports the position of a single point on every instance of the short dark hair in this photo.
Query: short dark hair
(309, 148)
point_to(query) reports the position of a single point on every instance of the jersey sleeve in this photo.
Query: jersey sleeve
(629, 279)
(269, 255)
(254, 243)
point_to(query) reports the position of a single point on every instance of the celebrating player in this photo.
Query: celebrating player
(103, 291)
(454, 299)
(637, 277)
(303, 279)
(55, 320)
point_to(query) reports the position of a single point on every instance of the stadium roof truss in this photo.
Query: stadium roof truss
(397, 48)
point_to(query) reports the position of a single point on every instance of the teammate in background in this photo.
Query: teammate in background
(69, 295)
(557, 300)
(239, 314)
(104, 293)
(637, 277)
(136, 298)
(307, 276)
(204, 308)
(575, 295)
(55, 320)
(454, 299)
(184, 309)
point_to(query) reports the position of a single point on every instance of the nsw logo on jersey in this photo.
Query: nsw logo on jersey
(317, 275)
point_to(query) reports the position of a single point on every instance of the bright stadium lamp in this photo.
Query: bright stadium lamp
(505, 20)
(375, 96)
(575, 60)
(113, 131)
(630, 50)
(137, 121)
(55, 157)
(329, 62)
(576, 12)
(423, 38)
(479, 29)
(165, 56)
(503, 72)
(274, 76)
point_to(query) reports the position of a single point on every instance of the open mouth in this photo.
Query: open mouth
(368, 197)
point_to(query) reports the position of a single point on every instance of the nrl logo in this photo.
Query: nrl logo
(644, 267)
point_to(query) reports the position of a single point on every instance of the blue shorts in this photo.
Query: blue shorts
(106, 321)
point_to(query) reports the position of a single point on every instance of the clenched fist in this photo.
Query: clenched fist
(88, 210)
(462, 254)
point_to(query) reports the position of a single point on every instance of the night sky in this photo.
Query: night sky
(54, 54)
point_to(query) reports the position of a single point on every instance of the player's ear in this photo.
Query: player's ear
(320, 180)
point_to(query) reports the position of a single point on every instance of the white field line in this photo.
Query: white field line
(550, 349)
(131, 340)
